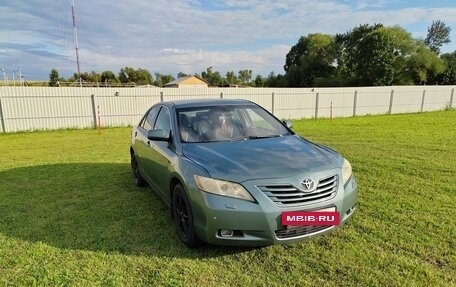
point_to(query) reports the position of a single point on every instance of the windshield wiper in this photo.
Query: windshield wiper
(262, 137)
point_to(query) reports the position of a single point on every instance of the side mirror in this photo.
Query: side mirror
(158, 135)
(288, 123)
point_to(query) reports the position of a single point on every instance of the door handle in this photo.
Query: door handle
(136, 133)
(148, 143)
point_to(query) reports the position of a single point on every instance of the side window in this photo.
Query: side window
(163, 122)
(258, 121)
(148, 123)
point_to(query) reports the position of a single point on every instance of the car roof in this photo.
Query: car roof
(206, 102)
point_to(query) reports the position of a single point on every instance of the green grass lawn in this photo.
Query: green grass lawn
(70, 214)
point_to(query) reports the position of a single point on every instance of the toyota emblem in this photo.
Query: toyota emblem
(307, 185)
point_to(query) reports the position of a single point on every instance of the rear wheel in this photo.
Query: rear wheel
(183, 217)
(137, 177)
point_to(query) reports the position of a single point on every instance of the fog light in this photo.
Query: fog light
(351, 209)
(226, 232)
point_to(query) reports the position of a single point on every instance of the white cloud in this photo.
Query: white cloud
(178, 51)
(265, 60)
(187, 35)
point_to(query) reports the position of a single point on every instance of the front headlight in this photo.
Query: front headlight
(346, 171)
(222, 187)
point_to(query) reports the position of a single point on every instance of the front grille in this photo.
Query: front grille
(299, 231)
(286, 194)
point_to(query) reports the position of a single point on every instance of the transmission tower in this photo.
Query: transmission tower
(75, 33)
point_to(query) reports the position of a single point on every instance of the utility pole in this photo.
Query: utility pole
(75, 33)
(5, 76)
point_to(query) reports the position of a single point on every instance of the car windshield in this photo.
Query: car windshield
(227, 123)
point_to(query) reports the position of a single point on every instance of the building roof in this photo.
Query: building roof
(188, 80)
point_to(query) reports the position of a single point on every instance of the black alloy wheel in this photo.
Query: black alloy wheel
(183, 217)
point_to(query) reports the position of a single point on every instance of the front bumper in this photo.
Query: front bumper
(259, 223)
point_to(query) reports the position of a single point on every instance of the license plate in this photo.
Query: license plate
(327, 216)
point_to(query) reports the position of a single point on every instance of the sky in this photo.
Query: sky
(188, 35)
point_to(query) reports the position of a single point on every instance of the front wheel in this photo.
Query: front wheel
(137, 177)
(183, 217)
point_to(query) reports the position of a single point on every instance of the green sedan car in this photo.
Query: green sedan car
(233, 174)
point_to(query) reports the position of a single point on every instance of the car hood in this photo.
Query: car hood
(261, 158)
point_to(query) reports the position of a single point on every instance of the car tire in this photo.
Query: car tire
(137, 177)
(183, 217)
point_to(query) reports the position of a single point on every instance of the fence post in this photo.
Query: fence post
(2, 118)
(391, 102)
(272, 103)
(422, 100)
(451, 98)
(221, 95)
(317, 98)
(94, 111)
(355, 101)
(161, 96)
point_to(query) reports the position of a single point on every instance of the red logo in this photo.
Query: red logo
(315, 218)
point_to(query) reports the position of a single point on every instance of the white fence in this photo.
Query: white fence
(32, 108)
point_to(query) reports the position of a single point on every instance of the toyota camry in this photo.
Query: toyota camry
(233, 174)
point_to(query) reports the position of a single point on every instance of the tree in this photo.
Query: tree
(88, 79)
(377, 55)
(108, 77)
(438, 34)
(143, 77)
(161, 79)
(259, 81)
(275, 80)
(181, 75)
(138, 77)
(448, 75)
(125, 75)
(366, 56)
(94, 77)
(73, 79)
(421, 66)
(314, 56)
(213, 78)
(245, 76)
(231, 78)
(85, 77)
(54, 78)
(413, 61)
